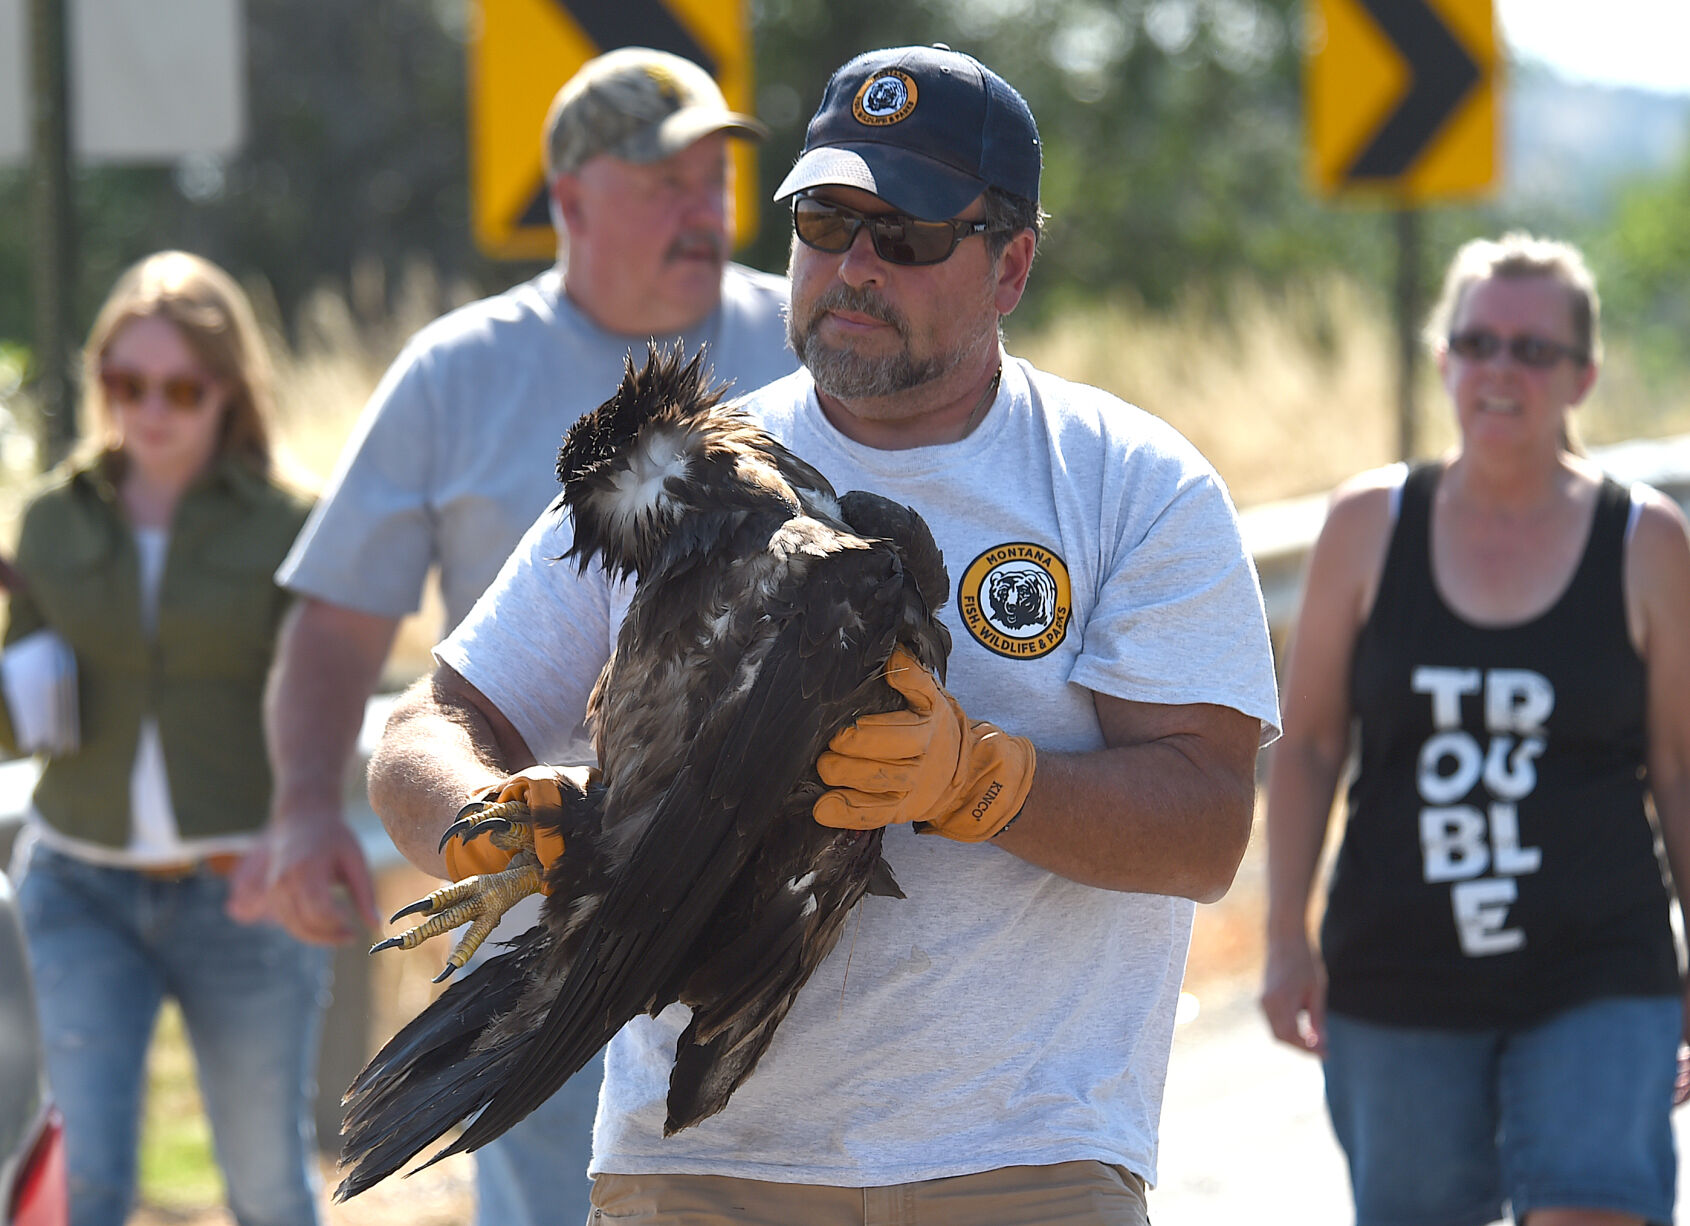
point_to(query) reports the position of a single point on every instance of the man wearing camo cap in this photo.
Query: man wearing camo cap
(654, 123)
(454, 458)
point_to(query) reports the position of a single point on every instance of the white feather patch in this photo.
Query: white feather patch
(638, 491)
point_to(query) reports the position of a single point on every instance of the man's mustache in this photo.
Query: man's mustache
(841, 297)
(698, 244)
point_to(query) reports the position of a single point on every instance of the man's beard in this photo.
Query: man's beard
(849, 375)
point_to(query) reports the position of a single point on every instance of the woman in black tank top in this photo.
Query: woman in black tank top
(1497, 645)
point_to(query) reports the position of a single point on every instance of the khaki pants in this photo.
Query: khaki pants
(1066, 1194)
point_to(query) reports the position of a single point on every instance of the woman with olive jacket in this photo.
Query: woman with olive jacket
(152, 558)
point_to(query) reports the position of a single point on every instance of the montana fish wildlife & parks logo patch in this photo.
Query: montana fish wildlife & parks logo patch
(1016, 600)
(885, 99)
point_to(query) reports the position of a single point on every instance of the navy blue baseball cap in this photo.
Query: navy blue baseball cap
(926, 129)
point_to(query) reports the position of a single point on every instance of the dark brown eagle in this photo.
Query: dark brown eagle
(763, 612)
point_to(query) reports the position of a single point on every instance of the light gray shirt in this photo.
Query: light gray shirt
(999, 1015)
(456, 452)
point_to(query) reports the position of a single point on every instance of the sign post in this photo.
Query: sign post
(523, 50)
(1402, 110)
(53, 264)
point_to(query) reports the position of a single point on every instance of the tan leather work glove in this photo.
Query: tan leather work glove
(538, 788)
(965, 779)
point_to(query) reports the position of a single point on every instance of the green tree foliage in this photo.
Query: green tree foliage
(1172, 130)
(1642, 256)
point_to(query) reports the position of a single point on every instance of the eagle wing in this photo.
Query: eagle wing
(786, 913)
(813, 668)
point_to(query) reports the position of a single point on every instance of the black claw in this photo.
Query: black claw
(457, 827)
(443, 975)
(466, 829)
(488, 825)
(421, 907)
(387, 944)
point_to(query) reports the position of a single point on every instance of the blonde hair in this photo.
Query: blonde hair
(1518, 255)
(216, 319)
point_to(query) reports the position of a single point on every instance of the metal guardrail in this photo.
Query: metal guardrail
(1279, 535)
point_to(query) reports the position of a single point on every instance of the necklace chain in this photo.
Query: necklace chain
(986, 398)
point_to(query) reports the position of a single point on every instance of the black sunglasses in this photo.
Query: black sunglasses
(1538, 352)
(898, 238)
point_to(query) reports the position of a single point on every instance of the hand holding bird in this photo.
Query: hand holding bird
(930, 765)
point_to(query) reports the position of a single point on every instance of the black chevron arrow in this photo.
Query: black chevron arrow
(1441, 74)
(623, 23)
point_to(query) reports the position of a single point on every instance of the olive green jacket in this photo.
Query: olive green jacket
(202, 676)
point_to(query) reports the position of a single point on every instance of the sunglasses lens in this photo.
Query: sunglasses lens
(822, 226)
(1476, 345)
(122, 386)
(906, 240)
(183, 392)
(1535, 351)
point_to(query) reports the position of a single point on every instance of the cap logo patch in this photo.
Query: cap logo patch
(885, 99)
(1015, 599)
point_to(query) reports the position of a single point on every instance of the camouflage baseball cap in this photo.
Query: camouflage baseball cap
(639, 105)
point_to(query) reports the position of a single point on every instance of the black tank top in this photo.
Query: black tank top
(1498, 863)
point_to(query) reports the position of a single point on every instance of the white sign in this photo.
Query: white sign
(149, 80)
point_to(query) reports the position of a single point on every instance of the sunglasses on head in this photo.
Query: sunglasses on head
(898, 238)
(1538, 352)
(184, 392)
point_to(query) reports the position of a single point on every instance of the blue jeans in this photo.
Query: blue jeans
(1442, 1126)
(107, 946)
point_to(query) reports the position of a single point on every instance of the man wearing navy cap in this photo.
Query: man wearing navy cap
(992, 1048)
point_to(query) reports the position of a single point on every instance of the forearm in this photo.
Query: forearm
(1301, 781)
(1672, 811)
(1147, 818)
(328, 662)
(440, 747)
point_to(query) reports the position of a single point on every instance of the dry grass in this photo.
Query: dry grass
(343, 345)
(1288, 395)
(322, 382)
(1294, 391)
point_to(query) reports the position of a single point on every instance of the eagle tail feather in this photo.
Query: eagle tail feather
(437, 1070)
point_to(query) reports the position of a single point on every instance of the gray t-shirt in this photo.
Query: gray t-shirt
(456, 452)
(1000, 1014)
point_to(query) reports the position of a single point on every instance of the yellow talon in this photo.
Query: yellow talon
(480, 901)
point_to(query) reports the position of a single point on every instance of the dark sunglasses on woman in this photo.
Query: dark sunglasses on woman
(1538, 352)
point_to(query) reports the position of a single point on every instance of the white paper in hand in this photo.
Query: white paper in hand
(38, 675)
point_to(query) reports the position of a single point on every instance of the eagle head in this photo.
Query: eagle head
(625, 466)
